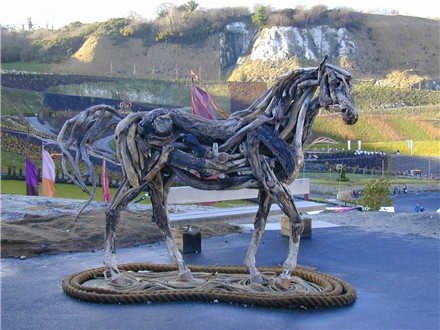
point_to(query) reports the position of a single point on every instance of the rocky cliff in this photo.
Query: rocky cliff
(376, 47)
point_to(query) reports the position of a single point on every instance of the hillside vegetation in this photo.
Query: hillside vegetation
(150, 61)
(183, 38)
(179, 24)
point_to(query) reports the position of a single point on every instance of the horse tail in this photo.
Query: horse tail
(79, 139)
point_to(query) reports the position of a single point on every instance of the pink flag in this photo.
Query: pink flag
(106, 196)
(48, 174)
(203, 104)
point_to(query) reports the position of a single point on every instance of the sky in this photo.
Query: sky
(59, 13)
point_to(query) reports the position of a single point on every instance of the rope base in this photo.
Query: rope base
(144, 283)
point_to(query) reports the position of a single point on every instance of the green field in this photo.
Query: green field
(62, 190)
(27, 66)
(20, 102)
(71, 191)
(18, 187)
(331, 178)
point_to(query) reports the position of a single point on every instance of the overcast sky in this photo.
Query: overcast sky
(60, 13)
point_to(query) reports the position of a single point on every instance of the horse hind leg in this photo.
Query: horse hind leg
(160, 216)
(264, 202)
(123, 196)
(112, 217)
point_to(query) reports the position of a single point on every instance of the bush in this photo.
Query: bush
(343, 176)
(376, 194)
(177, 26)
(260, 17)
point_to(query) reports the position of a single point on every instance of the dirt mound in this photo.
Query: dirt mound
(35, 235)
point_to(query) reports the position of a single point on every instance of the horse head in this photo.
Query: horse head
(336, 91)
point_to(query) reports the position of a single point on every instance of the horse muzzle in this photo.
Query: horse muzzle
(350, 116)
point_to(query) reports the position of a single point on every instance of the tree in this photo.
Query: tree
(260, 17)
(343, 176)
(163, 9)
(376, 194)
(29, 23)
(190, 6)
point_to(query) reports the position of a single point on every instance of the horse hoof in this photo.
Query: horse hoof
(283, 283)
(122, 280)
(185, 277)
(259, 279)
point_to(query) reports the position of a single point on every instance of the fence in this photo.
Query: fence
(359, 163)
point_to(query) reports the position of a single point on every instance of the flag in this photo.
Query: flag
(48, 174)
(106, 197)
(31, 178)
(203, 104)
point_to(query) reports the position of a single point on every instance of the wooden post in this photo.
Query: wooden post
(285, 228)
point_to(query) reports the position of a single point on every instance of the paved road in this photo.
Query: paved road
(43, 127)
(397, 279)
(407, 202)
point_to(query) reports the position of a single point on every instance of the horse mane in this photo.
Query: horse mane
(283, 101)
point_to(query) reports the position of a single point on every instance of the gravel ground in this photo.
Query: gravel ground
(18, 207)
(35, 225)
(424, 224)
(332, 190)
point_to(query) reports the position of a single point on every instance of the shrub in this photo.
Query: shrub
(343, 176)
(376, 194)
(260, 17)
(178, 26)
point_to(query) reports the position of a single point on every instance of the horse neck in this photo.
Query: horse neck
(298, 111)
(280, 93)
(311, 114)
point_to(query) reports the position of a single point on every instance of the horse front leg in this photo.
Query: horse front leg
(287, 204)
(264, 203)
(160, 217)
(284, 199)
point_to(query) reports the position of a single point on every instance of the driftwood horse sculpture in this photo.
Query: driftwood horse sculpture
(259, 147)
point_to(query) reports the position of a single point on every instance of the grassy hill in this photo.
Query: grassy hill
(150, 61)
(381, 127)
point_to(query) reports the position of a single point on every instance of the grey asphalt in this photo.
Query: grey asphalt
(397, 278)
(407, 202)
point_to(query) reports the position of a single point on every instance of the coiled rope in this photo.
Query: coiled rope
(156, 283)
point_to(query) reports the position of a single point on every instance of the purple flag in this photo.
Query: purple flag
(31, 177)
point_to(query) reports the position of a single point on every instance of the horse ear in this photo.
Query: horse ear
(321, 67)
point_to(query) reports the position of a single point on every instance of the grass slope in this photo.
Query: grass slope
(20, 102)
(387, 131)
(379, 127)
